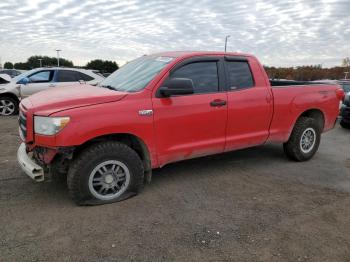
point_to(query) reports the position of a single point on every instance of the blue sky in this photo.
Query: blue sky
(279, 33)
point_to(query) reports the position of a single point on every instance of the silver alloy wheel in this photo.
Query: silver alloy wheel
(109, 180)
(7, 107)
(308, 140)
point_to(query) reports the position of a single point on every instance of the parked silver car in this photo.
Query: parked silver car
(40, 79)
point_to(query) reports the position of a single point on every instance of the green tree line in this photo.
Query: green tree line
(307, 73)
(301, 73)
(104, 66)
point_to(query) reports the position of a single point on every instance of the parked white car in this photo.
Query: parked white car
(40, 79)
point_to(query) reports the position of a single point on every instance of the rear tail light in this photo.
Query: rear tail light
(340, 94)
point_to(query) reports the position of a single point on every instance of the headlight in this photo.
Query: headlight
(49, 125)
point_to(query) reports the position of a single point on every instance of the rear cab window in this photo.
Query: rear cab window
(239, 75)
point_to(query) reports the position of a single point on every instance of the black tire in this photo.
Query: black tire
(85, 163)
(345, 125)
(13, 101)
(293, 148)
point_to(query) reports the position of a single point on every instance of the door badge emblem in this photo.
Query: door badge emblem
(146, 112)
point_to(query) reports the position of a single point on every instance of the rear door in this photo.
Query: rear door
(250, 103)
(39, 81)
(193, 125)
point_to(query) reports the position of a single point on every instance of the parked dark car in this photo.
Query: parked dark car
(345, 112)
(11, 72)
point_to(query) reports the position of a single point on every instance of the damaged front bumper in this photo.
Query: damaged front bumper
(28, 165)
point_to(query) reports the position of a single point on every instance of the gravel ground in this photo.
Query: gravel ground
(248, 205)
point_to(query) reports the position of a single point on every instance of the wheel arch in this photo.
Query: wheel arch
(314, 113)
(130, 140)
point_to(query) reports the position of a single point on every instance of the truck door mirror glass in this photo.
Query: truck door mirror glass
(176, 86)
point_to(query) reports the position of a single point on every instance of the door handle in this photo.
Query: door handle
(52, 85)
(218, 102)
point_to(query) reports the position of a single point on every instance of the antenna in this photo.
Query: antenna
(226, 42)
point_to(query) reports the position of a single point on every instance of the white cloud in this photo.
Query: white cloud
(278, 32)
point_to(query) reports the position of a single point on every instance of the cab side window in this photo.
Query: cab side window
(239, 75)
(204, 76)
(41, 77)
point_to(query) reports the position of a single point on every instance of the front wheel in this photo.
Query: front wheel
(304, 140)
(105, 172)
(8, 106)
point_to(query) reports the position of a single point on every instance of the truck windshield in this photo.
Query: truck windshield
(135, 75)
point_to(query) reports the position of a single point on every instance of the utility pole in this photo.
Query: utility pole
(58, 57)
(40, 59)
(226, 42)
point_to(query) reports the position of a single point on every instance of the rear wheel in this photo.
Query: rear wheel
(304, 140)
(105, 172)
(8, 106)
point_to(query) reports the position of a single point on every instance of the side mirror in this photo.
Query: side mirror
(176, 86)
(24, 81)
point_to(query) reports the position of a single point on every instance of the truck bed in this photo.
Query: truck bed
(290, 102)
(284, 83)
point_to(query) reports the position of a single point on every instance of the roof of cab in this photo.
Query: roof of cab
(198, 53)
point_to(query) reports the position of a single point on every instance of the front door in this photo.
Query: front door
(193, 125)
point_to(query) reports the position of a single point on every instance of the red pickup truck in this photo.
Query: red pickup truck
(164, 108)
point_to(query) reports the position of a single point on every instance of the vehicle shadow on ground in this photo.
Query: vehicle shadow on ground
(267, 160)
(199, 168)
(263, 161)
(234, 161)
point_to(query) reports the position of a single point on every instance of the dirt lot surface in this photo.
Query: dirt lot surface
(249, 205)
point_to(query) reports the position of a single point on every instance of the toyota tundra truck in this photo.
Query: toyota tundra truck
(162, 108)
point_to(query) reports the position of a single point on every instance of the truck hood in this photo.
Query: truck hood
(52, 101)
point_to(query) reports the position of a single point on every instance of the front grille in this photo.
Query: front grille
(22, 120)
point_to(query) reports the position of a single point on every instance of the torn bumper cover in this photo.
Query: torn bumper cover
(28, 165)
